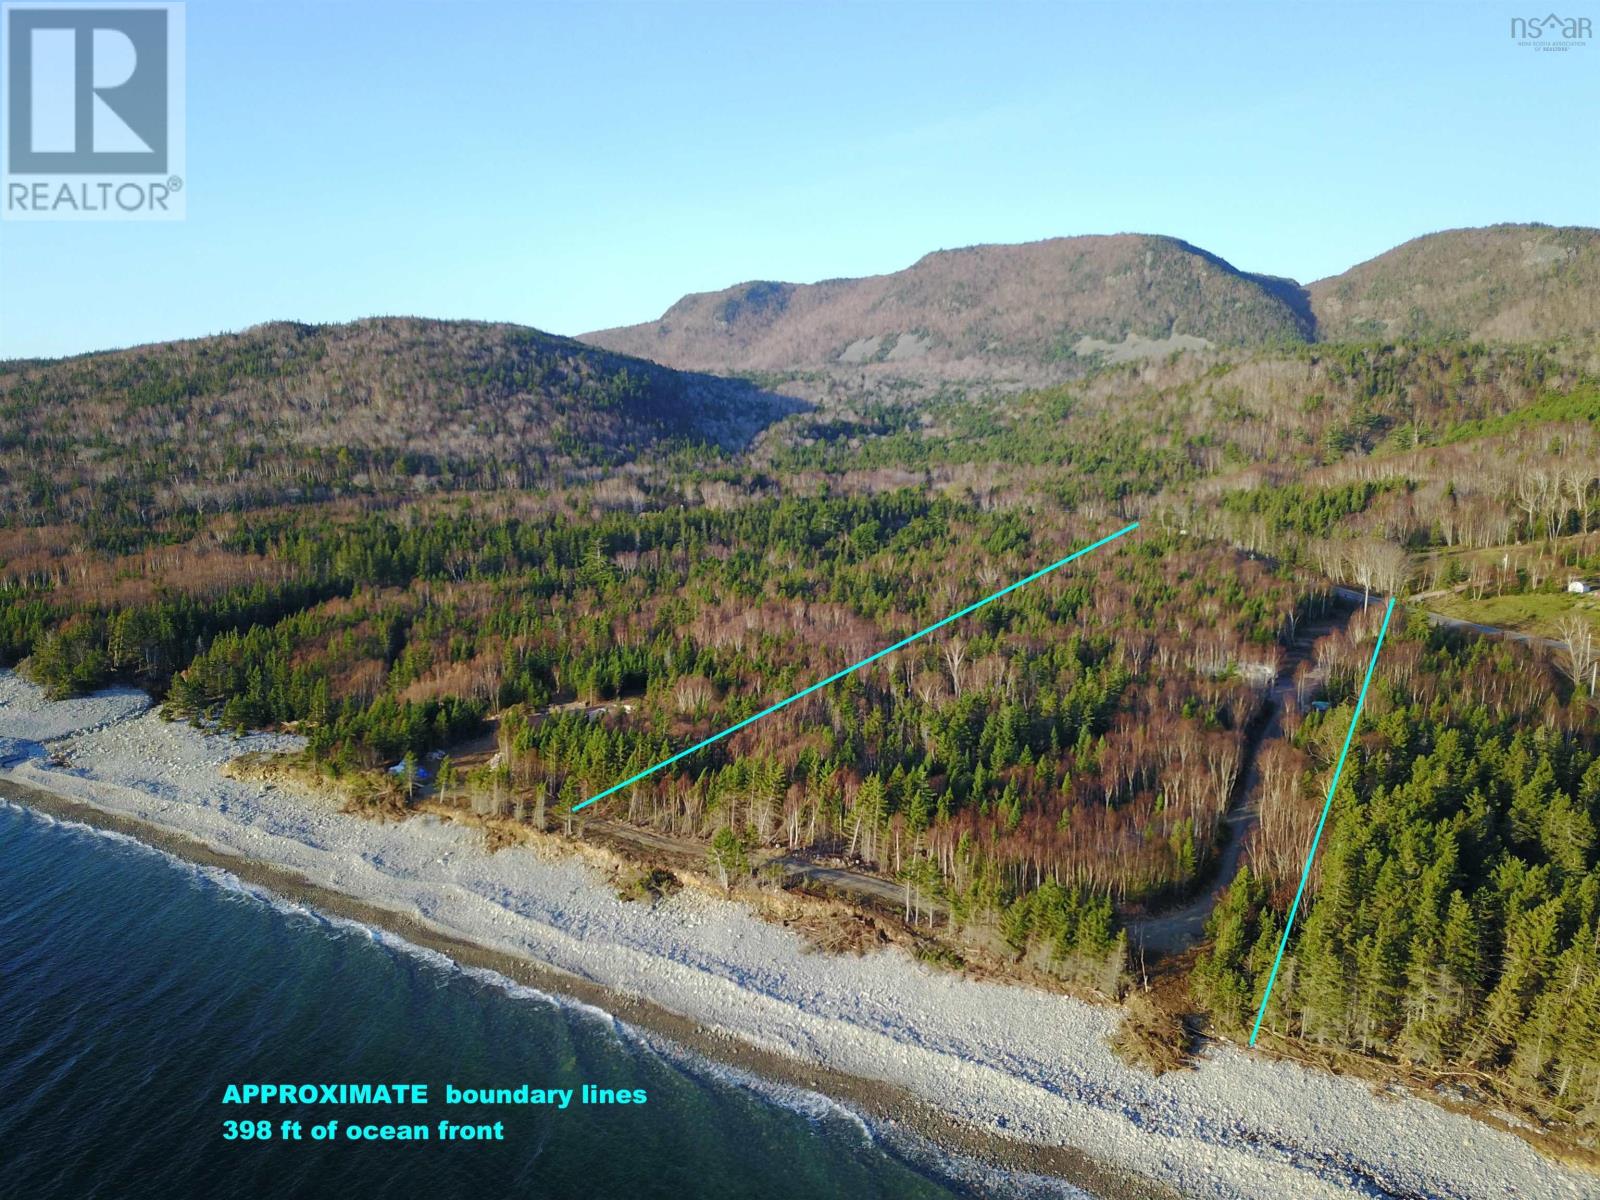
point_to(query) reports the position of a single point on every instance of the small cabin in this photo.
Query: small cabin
(1582, 587)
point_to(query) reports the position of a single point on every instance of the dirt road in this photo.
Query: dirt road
(1176, 930)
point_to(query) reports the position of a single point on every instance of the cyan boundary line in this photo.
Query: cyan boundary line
(871, 658)
(1327, 804)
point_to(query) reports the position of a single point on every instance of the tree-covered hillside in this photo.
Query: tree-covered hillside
(1505, 283)
(297, 413)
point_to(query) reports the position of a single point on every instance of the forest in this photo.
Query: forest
(1456, 919)
(421, 539)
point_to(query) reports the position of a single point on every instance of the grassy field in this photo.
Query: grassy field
(1534, 612)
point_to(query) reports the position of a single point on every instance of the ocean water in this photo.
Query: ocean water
(134, 988)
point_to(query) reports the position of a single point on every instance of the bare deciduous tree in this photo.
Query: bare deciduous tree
(955, 655)
(1582, 652)
(1391, 567)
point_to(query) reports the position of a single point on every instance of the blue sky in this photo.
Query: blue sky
(573, 166)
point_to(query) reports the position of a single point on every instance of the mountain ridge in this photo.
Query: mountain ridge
(1500, 283)
(1045, 304)
(1031, 303)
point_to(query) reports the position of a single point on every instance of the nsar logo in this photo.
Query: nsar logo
(1551, 32)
